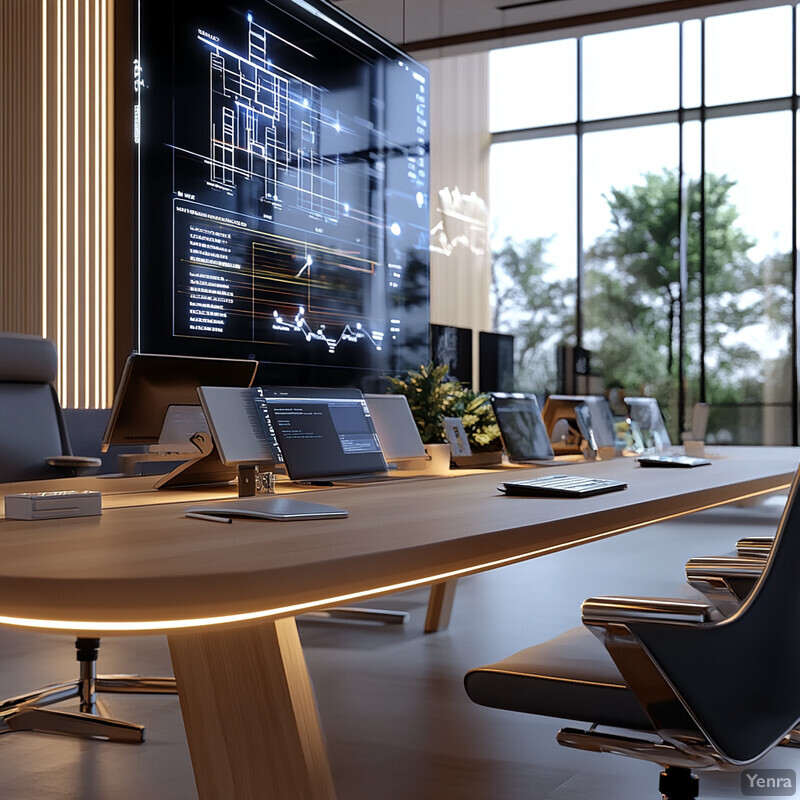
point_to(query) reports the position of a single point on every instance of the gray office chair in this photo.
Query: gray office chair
(34, 442)
(695, 689)
(34, 445)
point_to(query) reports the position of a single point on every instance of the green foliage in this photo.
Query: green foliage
(634, 298)
(429, 392)
(634, 293)
(433, 395)
(538, 310)
(478, 418)
(633, 271)
(640, 365)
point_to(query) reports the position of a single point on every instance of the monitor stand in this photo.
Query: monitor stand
(199, 470)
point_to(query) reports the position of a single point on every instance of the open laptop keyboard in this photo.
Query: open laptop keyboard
(561, 486)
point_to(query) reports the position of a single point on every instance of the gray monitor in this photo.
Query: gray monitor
(151, 384)
(235, 425)
(646, 414)
(601, 421)
(396, 428)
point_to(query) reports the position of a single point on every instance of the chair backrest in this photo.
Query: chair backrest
(740, 677)
(31, 424)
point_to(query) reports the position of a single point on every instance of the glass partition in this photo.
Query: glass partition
(659, 235)
(748, 56)
(533, 85)
(630, 72)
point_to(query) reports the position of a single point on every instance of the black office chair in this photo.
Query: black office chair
(727, 580)
(696, 690)
(34, 445)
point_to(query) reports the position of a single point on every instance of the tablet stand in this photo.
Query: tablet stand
(203, 468)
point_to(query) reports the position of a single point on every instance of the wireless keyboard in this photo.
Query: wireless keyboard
(561, 486)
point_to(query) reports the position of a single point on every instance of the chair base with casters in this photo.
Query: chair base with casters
(674, 782)
(35, 446)
(32, 712)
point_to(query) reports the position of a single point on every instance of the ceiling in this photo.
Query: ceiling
(442, 27)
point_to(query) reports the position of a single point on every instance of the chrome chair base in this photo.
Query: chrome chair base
(71, 723)
(691, 754)
(360, 614)
(29, 712)
(792, 739)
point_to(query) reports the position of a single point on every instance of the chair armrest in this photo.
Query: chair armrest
(755, 546)
(618, 622)
(725, 567)
(74, 462)
(598, 610)
(724, 580)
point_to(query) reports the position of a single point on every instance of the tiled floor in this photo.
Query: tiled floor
(397, 721)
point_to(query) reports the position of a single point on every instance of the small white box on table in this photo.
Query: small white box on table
(53, 505)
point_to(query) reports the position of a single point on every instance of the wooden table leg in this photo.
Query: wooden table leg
(440, 604)
(249, 713)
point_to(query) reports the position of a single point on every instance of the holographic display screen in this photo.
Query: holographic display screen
(282, 186)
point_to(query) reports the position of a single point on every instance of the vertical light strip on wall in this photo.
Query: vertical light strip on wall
(62, 195)
(43, 176)
(93, 381)
(54, 237)
(90, 254)
(78, 217)
(106, 236)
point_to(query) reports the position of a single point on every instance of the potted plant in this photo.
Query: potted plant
(433, 395)
(481, 428)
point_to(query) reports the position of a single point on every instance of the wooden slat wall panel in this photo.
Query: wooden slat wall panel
(460, 282)
(57, 200)
(20, 173)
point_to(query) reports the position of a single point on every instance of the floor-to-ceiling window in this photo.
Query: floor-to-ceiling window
(644, 205)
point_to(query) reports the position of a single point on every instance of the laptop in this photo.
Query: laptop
(521, 426)
(645, 413)
(320, 435)
(574, 419)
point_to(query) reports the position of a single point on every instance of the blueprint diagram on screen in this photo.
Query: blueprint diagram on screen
(266, 125)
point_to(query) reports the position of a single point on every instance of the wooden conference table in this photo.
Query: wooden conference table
(226, 595)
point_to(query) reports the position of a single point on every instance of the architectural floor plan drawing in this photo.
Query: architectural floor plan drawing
(266, 125)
